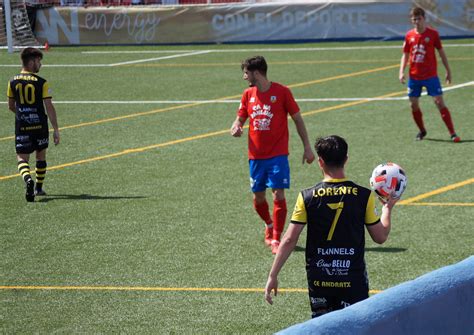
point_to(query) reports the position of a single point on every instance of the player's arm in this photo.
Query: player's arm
(444, 60)
(51, 111)
(11, 105)
(308, 155)
(379, 231)
(236, 129)
(403, 65)
(11, 99)
(285, 249)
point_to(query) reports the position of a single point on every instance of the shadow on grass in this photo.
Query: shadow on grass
(299, 249)
(52, 197)
(382, 249)
(446, 140)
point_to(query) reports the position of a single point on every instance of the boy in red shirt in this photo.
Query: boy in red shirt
(268, 105)
(419, 48)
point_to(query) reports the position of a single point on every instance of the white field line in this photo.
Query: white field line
(470, 83)
(118, 64)
(267, 49)
(160, 58)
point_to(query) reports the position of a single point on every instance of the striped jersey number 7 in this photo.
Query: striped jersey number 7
(338, 206)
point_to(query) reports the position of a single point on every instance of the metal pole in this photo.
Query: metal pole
(8, 24)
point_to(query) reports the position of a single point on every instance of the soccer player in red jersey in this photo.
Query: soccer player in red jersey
(419, 48)
(267, 105)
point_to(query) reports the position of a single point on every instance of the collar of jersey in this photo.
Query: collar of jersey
(334, 180)
(23, 71)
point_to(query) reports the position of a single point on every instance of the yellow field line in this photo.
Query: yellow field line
(437, 191)
(187, 139)
(317, 81)
(167, 109)
(126, 152)
(162, 289)
(441, 204)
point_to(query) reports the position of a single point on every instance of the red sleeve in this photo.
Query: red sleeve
(406, 45)
(437, 41)
(290, 104)
(243, 112)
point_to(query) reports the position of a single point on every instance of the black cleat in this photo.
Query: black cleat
(40, 192)
(421, 135)
(30, 190)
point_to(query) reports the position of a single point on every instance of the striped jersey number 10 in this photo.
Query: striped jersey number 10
(27, 93)
(338, 206)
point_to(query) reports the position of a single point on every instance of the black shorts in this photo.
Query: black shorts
(330, 294)
(30, 142)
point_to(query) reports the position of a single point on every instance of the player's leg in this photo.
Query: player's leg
(261, 207)
(24, 147)
(40, 171)
(445, 115)
(414, 93)
(278, 180)
(258, 185)
(24, 170)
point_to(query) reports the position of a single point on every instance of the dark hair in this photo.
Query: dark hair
(28, 54)
(417, 11)
(256, 63)
(332, 150)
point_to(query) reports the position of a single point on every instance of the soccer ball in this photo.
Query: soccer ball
(388, 178)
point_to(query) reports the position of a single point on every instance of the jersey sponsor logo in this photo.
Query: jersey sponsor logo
(31, 128)
(27, 109)
(345, 304)
(335, 284)
(252, 182)
(418, 53)
(31, 118)
(336, 251)
(43, 141)
(23, 138)
(318, 302)
(336, 267)
(330, 191)
(264, 117)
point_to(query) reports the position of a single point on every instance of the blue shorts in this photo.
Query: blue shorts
(433, 86)
(269, 173)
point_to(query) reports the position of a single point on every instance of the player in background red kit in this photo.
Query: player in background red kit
(267, 105)
(419, 48)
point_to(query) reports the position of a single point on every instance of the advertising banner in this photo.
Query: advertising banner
(247, 23)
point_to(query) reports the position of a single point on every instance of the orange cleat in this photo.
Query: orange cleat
(268, 236)
(455, 138)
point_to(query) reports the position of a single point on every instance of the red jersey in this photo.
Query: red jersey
(421, 48)
(268, 125)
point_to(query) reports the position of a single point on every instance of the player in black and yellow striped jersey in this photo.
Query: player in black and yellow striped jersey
(29, 97)
(337, 211)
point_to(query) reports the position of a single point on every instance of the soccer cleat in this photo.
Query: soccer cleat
(268, 236)
(455, 138)
(275, 245)
(40, 192)
(30, 190)
(421, 135)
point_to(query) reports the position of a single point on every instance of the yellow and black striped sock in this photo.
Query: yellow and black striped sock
(24, 169)
(40, 174)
